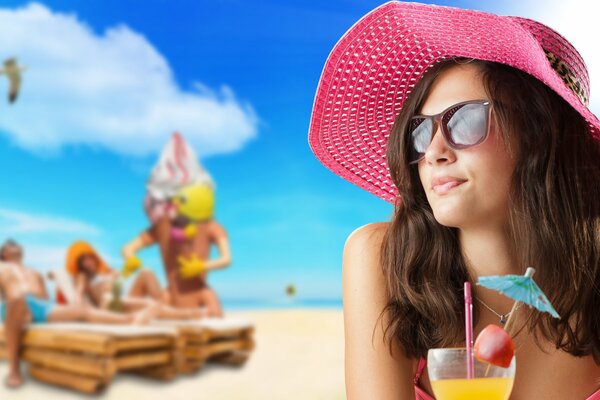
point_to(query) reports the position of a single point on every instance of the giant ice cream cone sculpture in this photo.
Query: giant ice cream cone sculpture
(180, 204)
(177, 168)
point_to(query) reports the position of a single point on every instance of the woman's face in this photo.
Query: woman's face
(89, 264)
(466, 188)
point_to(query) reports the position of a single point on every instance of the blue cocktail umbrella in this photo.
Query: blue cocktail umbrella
(521, 288)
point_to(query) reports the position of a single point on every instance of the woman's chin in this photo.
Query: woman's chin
(451, 218)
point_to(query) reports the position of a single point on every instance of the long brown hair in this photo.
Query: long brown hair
(554, 216)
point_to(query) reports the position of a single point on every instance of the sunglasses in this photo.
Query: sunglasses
(464, 125)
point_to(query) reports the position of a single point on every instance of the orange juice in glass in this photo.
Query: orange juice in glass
(447, 370)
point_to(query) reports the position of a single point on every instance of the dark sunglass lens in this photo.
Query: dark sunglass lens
(467, 124)
(420, 136)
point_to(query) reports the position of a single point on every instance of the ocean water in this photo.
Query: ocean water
(284, 303)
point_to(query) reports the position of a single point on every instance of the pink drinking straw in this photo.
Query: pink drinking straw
(469, 330)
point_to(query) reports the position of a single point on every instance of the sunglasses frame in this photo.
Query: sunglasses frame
(438, 120)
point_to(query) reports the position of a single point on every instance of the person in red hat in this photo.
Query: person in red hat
(476, 127)
(26, 300)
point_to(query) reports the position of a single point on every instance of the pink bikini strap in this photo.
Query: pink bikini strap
(420, 368)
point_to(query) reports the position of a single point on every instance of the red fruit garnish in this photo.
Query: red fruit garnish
(494, 346)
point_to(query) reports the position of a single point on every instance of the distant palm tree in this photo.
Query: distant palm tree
(290, 290)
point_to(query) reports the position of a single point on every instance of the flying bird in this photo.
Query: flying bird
(13, 71)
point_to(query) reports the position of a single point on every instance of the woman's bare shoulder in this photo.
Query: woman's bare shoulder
(216, 230)
(364, 244)
(362, 275)
(367, 235)
(372, 371)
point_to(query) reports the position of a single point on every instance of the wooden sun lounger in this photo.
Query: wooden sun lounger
(86, 357)
(222, 340)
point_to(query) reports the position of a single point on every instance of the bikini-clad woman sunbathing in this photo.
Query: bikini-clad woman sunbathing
(94, 282)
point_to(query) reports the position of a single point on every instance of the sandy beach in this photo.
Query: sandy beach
(299, 354)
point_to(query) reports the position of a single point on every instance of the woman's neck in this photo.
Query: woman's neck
(488, 252)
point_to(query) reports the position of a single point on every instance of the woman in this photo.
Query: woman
(185, 239)
(493, 166)
(94, 284)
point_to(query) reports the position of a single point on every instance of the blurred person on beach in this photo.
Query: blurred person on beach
(180, 206)
(26, 301)
(100, 286)
(476, 127)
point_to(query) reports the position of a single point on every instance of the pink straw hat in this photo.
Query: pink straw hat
(376, 64)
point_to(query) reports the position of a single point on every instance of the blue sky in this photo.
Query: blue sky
(108, 81)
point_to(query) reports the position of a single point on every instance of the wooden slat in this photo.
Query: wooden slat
(195, 335)
(230, 345)
(74, 341)
(190, 367)
(180, 342)
(3, 354)
(81, 364)
(144, 342)
(204, 335)
(235, 358)
(162, 372)
(204, 351)
(92, 342)
(195, 353)
(230, 333)
(144, 359)
(81, 383)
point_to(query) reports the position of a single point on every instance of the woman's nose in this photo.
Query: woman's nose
(438, 150)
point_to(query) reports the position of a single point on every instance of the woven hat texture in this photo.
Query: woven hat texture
(375, 65)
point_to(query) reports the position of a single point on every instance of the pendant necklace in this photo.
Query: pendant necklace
(503, 317)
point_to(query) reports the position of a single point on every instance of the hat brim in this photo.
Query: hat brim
(78, 249)
(376, 64)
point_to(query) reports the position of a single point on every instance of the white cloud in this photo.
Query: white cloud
(18, 222)
(575, 20)
(44, 258)
(112, 90)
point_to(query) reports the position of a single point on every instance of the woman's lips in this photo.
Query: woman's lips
(442, 186)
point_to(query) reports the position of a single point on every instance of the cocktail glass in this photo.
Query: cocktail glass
(447, 370)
